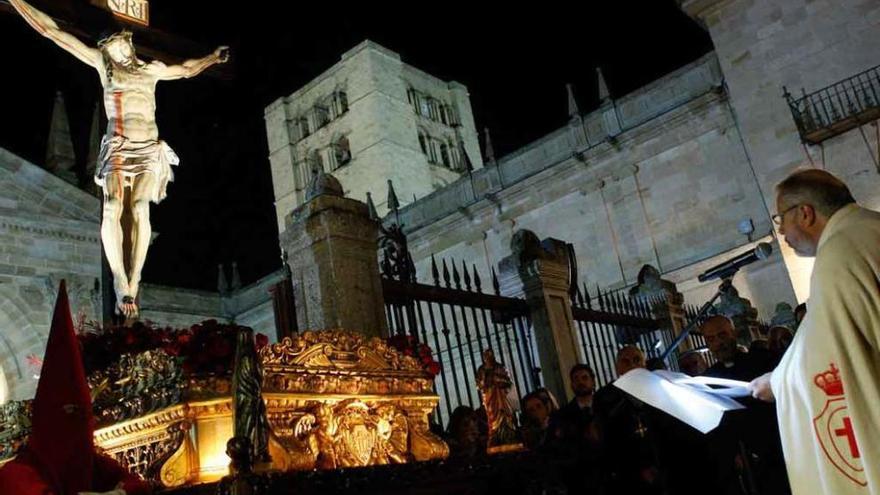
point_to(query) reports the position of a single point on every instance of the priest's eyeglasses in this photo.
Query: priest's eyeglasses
(777, 218)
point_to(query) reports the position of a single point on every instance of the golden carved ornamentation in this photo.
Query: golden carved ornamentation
(340, 349)
(333, 399)
(15, 426)
(135, 385)
(425, 445)
(182, 466)
(198, 388)
(348, 434)
(146, 459)
(113, 436)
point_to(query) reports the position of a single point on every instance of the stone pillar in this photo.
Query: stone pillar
(539, 271)
(332, 244)
(666, 303)
(741, 312)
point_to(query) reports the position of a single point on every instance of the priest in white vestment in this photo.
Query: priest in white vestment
(827, 385)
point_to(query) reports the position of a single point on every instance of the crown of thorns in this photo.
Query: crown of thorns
(124, 35)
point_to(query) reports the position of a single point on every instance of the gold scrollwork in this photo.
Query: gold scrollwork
(340, 349)
(333, 399)
(15, 426)
(182, 466)
(348, 434)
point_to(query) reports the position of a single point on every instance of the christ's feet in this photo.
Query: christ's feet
(127, 307)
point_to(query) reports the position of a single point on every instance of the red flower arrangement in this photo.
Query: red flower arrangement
(205, 348)
(409, 346)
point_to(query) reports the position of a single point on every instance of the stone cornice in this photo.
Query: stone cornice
(600, 165)
(37, 177)
(72, 230)
(699, 9)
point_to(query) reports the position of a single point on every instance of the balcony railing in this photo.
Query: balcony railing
(837, 108)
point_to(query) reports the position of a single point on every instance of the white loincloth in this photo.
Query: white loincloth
(133, 158)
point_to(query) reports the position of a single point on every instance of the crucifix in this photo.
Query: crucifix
(134, 165)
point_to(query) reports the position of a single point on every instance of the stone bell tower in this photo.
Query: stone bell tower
(367, 119)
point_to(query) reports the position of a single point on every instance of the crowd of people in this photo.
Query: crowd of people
(807, 427)
(616, 444)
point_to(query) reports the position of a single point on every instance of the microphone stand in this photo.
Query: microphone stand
(726, 283)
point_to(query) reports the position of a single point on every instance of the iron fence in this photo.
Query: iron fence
(605, 322)
(458, 321)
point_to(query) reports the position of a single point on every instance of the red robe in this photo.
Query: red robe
(25, 476)
(60, 456)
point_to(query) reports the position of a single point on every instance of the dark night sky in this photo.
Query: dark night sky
(514, 61)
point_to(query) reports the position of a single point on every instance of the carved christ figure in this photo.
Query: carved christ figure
(132, 155)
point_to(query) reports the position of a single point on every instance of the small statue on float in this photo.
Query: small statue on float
(494, 384)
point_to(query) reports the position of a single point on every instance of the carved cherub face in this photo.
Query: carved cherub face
(385, 412)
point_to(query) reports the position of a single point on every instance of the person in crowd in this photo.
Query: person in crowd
(731, 361)
(463, 434)
(574, 420)
(629, 434)
(827, 385)
(758, 346)
(779, 339)
(655, 364)
(573, 431)
(536, 431)
(692, 362)
(746, 445)
(549, 397)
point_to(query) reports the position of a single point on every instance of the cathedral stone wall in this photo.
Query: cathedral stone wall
(48, 232)
(810, 44)
(180, 308)
(666, 182)
(250, 306)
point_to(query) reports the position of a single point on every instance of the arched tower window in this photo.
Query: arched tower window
(340, 103)
(341, 151)
(444, 155)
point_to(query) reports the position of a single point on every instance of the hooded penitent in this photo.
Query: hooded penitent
(62, 422)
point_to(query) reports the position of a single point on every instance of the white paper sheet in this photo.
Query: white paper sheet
(686, 398)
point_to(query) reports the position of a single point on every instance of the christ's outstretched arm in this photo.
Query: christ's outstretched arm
(46, 26)
(194, 67)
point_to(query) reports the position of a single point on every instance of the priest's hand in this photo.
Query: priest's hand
(760, 388)
(117, 491)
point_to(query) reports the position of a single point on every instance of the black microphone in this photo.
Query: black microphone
(728, 268)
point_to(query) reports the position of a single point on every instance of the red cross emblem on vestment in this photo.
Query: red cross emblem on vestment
(834, 428)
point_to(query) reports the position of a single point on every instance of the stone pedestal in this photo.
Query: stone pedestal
(741, 312)
(539, 271)
(666, 303)
(332, 244)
